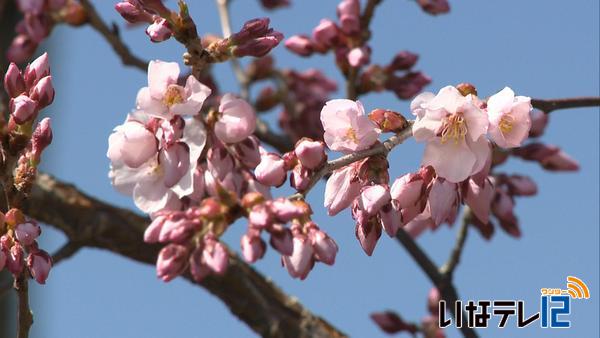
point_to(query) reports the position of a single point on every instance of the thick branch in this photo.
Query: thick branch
(249, 295)
(548, 106)
(112, 37)
(24, 316)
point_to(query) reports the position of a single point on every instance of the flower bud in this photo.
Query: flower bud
(43, 92)
(300, 178)
(324, 247)
(215, 256)
(325, 33)
(251, 29)
(13, 217)
(132, 13)
(433, 301)
(14, 84)
(153, 230)
(539, 121)
(26, 233)
(434, 7)
(285, 210)
(409, 85)
(171, 261)
(210, 208)
(21, 49)
(159, 30)
(466, 89)
(271, 170)
(15, 259)
(282, 240)
(311, 154)
(387, 120)
(300, 262)
(41, 138)
(39, 264)
(368, 234)
(359, 56)
(247, 151)
(521, 185)
(22, 109)
(253, 248)
(272, 4)
(37, 27)
(198, 268)
(178, 228)
(559, 161)
(391, 219)
(37, 70)
(260, 217)
(267, 99)
(74, 14)
(373, 197)
(237, 120)
(258, 47)
(299, 44)
(348, 12)
(404, 60)
(391, 323)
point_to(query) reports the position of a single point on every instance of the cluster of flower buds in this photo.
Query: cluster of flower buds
(30, 90)
(392, 323)
(152, 12)
(19, 249)
(255, 38)
(397, 77)
(301, 245)
(39, 17)
(302, 97)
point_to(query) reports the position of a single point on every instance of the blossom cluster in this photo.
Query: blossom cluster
(19, 249)
(39, 17)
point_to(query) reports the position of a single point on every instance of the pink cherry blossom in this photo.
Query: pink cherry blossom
(164, 98)
(271, 170)
(39, 264)
(341, 189)
(509, 118)
(347, 128)
(237, 120)
(479, 198)
(253, 248)
(454, 128)
(300, 262)
(132, 143)
(443, 201)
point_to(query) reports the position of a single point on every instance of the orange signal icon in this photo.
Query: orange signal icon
(577, 288)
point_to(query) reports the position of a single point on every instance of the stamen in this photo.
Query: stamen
(455, 128)
(173, 95)
(351, 134)
(506, 123)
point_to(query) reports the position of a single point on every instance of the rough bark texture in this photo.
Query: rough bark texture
(249, 295)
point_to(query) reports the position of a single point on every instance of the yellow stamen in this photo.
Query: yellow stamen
(351, 134)
(174, 95)
(455, 128)
(506, 123)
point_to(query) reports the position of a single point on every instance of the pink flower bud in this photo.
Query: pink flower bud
(14, 84)
(281, 240)
(171, 261)
(539, 121)
(237, 120)
(272, 4)
(37, 70)
(286, 210)
(132, 13)
(479, 198)
(132, 144)
(247, 151)
(300, 178)
(258, 47)
(391, 323)
(39, 264)
(502, 207)
(152, 232)
(215, 256)
(368, 234)
(443, 201)
(433, 301)
(41, 138)
(409, 85)
(373, 197)
(15, 259)
(325, 33)
(253, 248)
(311, 154)
(341, 189)
(434, 7)
(175, 163)
(178, 228)
(31, 6)
(359, 56)
(198, 268)
(37, 27)
(22, 109)
(159, 30)
(300, 262)
(403, 61)
(252, 29)
(407, 190)
(521, 185)
(299, 44)
(391, 219)
(26, 233)
(560, 161)
(43, 92)
(348, 12)
(324, 247)
(271, 170)
(260, 217)
(21, 49)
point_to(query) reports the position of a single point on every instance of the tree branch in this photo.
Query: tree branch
(550, 105)
(24, 316)
(448, 268)
(112, 37)
(250, 296)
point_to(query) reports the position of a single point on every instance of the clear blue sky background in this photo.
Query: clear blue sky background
(543, 49)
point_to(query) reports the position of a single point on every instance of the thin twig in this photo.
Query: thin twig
(444, 285)
(96, 22)
(550, 105)
(24, 315)
(448, 268)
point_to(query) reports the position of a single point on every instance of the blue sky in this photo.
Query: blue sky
(541, 49)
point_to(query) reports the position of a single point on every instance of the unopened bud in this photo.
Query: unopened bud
(300, 45)
(387, 120)
(39, 264)
(22, 109)
(41, 138)
(43, 92)
(14, 84)
(466, 89)
(159, 30)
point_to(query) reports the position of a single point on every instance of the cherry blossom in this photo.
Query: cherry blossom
(347, 128)
(509, 118)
